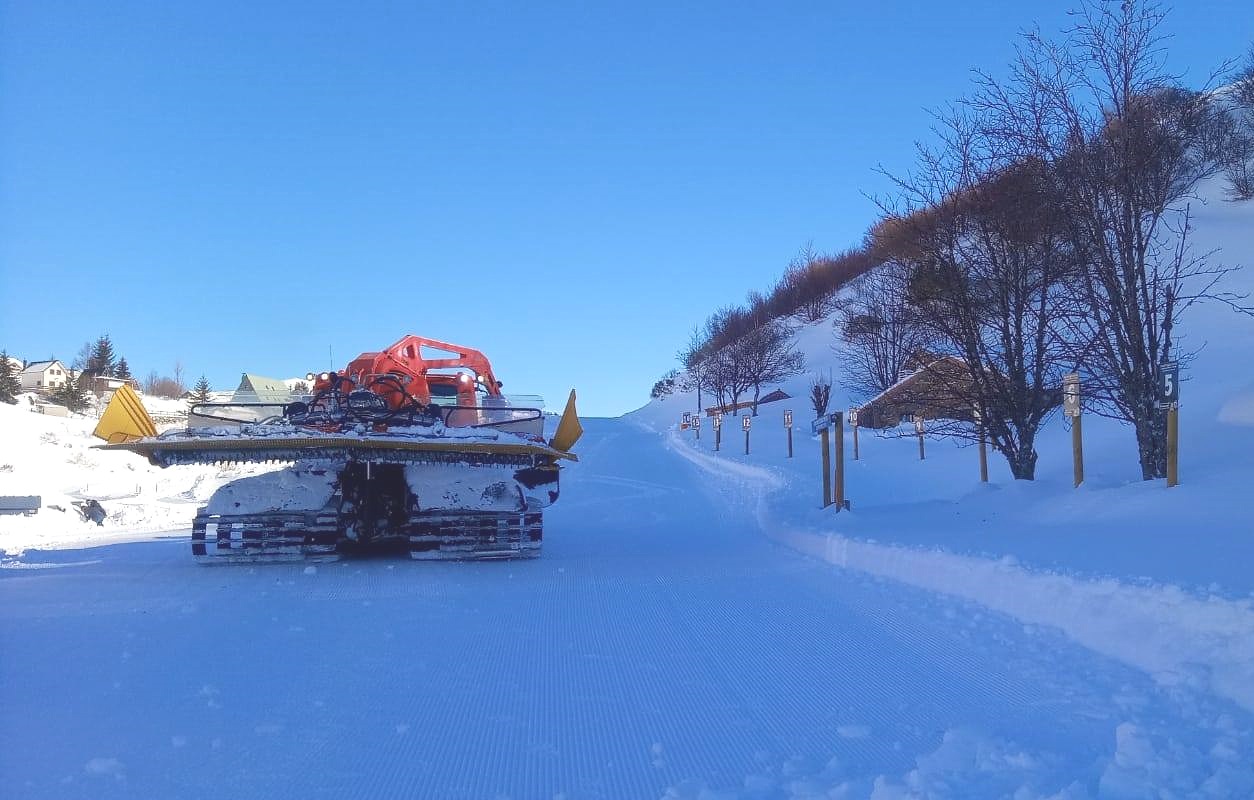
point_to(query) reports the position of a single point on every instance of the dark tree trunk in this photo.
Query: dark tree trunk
(1151, 441)
(1023, 462)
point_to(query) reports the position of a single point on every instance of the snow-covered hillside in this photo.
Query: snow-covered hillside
(1115, 524)
(1158, 578)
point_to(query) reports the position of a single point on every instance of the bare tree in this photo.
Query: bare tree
(881, 331)
(714, 377)
(727, 375)
(993, 279)
(1239, 156)
(162, 386)
(768, 356)
(820, 394)
(1129, 147)
(691, 356)
(811, 302)
(83, 358)
(664, 385)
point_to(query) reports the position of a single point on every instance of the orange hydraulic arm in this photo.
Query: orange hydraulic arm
(405, 361)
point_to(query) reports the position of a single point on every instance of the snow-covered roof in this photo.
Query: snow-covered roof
(41, 366)
(258, 388)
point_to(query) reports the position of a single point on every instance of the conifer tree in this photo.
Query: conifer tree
(123, 370)
(200, 392)
(102, 359)
(10, 386)
(70, 394)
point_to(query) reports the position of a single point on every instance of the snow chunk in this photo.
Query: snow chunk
(105, 766)
(1239, 409)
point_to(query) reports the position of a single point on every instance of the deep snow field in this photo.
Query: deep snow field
(697, 627)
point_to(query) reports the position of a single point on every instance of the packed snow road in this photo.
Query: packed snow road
(661, 647)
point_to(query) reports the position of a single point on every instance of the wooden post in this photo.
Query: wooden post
(981, 434)
(1173, 446)
(827, 469)
(718, 437)
(840, 460)
(983, 457)
(1169, 398)
(788, 425)
(855, 439)
(918, 428)
(1073, 407)
(745, 422)
(1077, 450)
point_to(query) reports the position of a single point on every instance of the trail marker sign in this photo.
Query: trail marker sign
(1071, 394)
(687, 417)
(717, 421)
(1169, 385)
(745, 423)
(788, 418)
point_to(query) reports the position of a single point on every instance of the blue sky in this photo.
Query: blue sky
(569, 187)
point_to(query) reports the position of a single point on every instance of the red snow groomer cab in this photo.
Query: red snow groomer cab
(427, 370)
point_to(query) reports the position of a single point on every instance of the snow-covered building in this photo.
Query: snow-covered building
(936, 387)
(43, 375)
(103, 386)
(256, 389)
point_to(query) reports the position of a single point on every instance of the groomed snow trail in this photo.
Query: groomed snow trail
(661, 647)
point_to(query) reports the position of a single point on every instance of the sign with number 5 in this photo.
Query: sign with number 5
(1169, 384)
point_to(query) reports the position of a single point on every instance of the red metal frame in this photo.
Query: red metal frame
(404, 359)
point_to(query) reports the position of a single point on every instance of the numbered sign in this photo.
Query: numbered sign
(787, 418)
(1071, 394)
(918, 423)
(745, 423)
(853, 417)
(696, 422)
(1169, 384)
(717, 421)
(687, 417)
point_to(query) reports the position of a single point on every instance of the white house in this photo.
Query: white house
(43, 375)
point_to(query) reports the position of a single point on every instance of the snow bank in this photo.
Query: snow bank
(1175, 636)
(55, 458)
